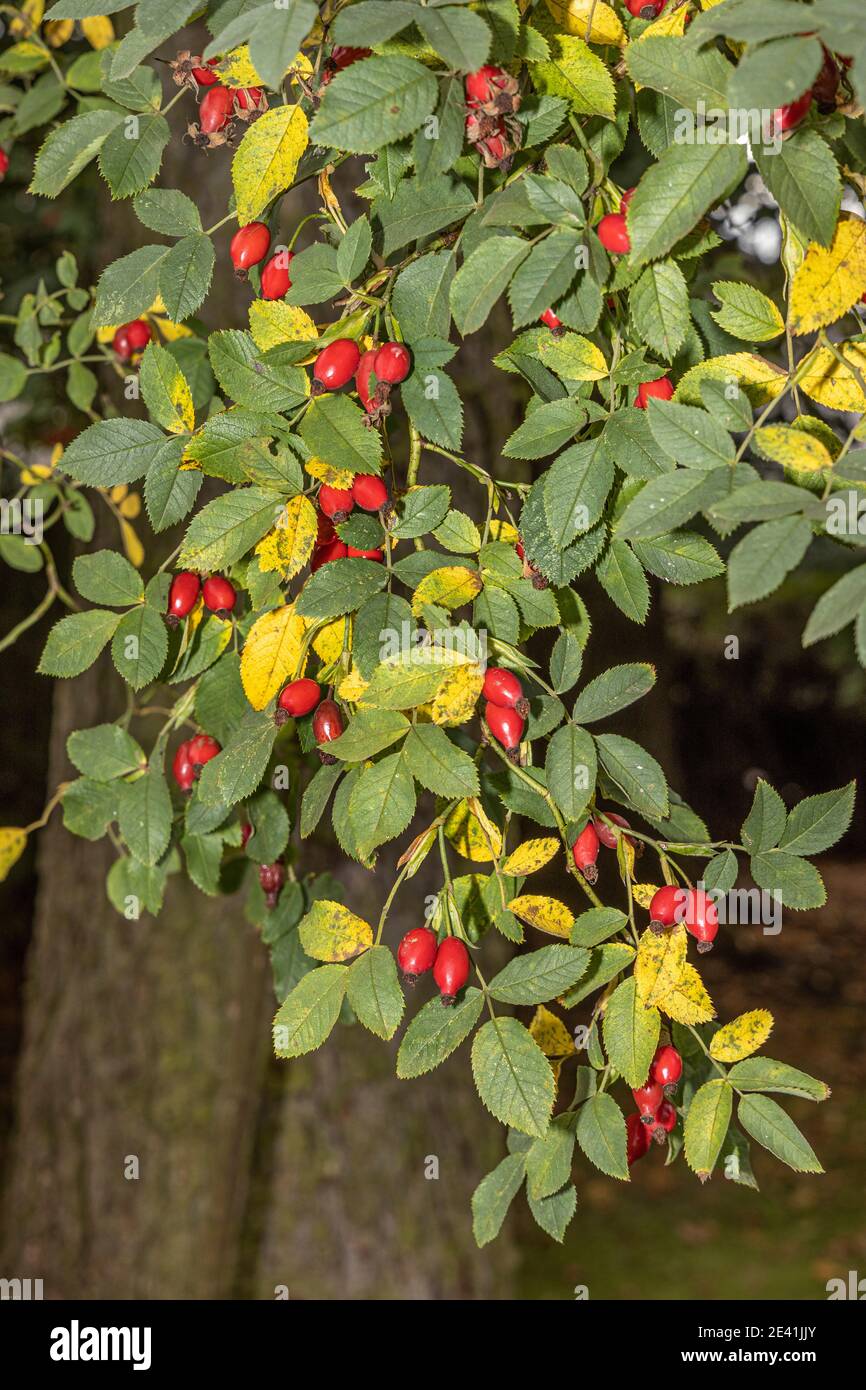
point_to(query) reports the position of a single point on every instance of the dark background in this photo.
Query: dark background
(152, 1038)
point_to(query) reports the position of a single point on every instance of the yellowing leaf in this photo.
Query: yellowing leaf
(289, 546)
(455, 700)
(591, 20)
(326, 473)
(272, 654)
(130, 507)
(689, 1002)
(643, 893)
(98, 30)
(449, 587)
(328, 641)
(352, 687)
(267, 159)
(572, 357)
(659, 964)
(551, 1034)
(672, 22)
(547, 914)
(742, 1036)
(272, 322)
(464, 832)
(172, 331)
(132, 545)
(331, 932)
(12, 845)
(531, 856)
(759, 379)
(577, 74)
(503, 531)
(58, 32)
(832, 383)
(831, 279)
(28, 19)
(236, 69)
(792, 448)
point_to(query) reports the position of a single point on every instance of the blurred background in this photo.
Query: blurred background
(150, 1040)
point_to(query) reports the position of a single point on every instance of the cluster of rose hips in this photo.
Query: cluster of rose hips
(302, 696)
(249, 246)
(217, 594)
(335, 503)
(506, 709)
(191, 757)
(221, 108)
(692, 906)
(492, 98)
(656, 1116)
(596, 833)
(419, 951)
(131, 338)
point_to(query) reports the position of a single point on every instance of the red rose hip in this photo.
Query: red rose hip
(324, 554)
(451, 968)
(667, 906)
(701, 918)
(218, 594)
(502, 687)
(392, 363)
(584, 851)
(613, 234)
(327, 725)
(416, 953)
(202, 748)
(661, 390)
(666, 1068)
(369, 492)
(336, 502)
(272, 877)
(335, 365)
(275, 280)
(249, 246)
(297, 699)
(182, 596)
(506, 726)
(648, 1098)
(216, 109)
(183, 768)
(637, 1138)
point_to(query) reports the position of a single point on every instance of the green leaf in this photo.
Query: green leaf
(837, 607)
(340, 587)
(203, 855)
(374, 991)
(382, 803)
(104, 752)
(270, 827)
(690, 436)
(763, 1074)
(494, 1195)
(89, 808)
(75, 642)
(596, 925)
(333, 429)
(13, 377)
(113, 452)
(139, 646)
(544, 277)
(682, 557)
(421, 510)
(185, 276)
(438, 764)
(167, 211)
(601, 1134)
(758, 563)
(668, 65)
(545, 430)
(566, 661)
(621, 575)
(659, 304)
(631, 1033)
(226, 528)
(69, 149)
(672, 499)
(169, 491)
(706, 1125)
(576, 487)
(236, 772)
(382, 100)
(571, 769)
(421, 293)
(803, 177)
(459, 36)
(763, 826)
(128, 286)
(612, 691)
(307, 1016)
(795, 880)
(539, 976)
(144, 817)
(416, 211)
(436, 1031)
(675, 193)
(636, 773)
(249, 379)
(369, 732)
(354, 250)
(769, 1124)
(818, 822)
(131, 154)
(513, 1076)
(575, 73)
(746, 312)
(483, 277)
(554, 1213)
(316, 795)
(437, 415)
(607, 961)
(107, 577)
(548, 1160)
(372, 22)
(278, 34)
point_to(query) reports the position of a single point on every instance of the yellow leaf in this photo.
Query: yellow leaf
(172, 331)
(547, 914)
(672, 23)
(28, 19)
(326, 473)
(272, 654)
(236, 69)
(588, 19)
(267, 159)
(659, 964)
(289, 546)
(464, 831)
(531, 856)
(455, 700)
(742, 1036)
(792, 448)
(98, 30)
(551, 1034)
(331, 932)
(352, 687)
(12, 845)
(130, 507)
(272, 322)
(832, 383)
(758, 378)
(328, 641)
(449, 587)
(689, 1002)
(572, 357)
(830, 280)
(132, 545)
(643, 893)
(58, 32)
(37, 474)
(576, 73)
(503, 531)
